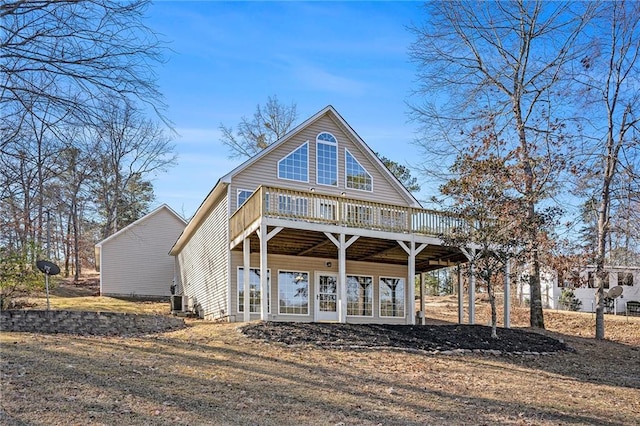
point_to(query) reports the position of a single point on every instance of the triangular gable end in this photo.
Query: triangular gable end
(348, 129)
(142, 219)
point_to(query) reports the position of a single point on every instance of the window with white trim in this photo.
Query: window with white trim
(243, 195)
(356, 176)
(359, 295)
(293, 292)
(295, 165)
(254, 290)
(326, 159)
(391, 297)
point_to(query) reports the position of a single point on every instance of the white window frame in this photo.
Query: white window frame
(372, 294)
(240, 286)
(308, 292)
(404, 297)
(318, 142)
(238, 191)
(346, 174)
(286, 156)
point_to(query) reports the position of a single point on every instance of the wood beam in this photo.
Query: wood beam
(317, 246)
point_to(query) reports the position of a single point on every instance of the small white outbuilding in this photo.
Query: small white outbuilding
(135, 261)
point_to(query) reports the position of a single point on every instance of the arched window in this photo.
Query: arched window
(326, 159)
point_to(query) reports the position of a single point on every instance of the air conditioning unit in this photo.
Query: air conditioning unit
(177, 303)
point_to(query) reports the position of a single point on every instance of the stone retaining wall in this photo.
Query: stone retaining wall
(86, 323)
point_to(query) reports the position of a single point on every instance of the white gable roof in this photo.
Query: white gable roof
(225, 180)
(142, 219)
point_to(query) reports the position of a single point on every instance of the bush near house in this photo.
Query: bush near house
(569, 301)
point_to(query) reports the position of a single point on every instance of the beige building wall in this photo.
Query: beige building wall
(265, 170)
(135, 260)
(315, 266)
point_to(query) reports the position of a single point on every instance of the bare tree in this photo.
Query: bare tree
(610, 75)
(71, 54)
(268, 124)
(129, 149)
(500, 62)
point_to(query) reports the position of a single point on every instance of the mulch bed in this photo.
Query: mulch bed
(430, 338)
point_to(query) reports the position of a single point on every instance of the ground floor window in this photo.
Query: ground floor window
(293, 292)
(391, 297)
(625, 278)
(359, 295)
(254, 290)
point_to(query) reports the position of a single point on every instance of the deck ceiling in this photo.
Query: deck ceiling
(295, 242)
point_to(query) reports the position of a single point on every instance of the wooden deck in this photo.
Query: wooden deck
(342, 211)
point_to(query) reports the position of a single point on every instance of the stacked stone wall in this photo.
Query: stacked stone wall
(86, 323)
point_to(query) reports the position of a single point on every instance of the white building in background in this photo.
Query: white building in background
(627, 277)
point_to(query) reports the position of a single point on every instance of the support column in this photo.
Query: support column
(423, 301)
(507, 294)
(412, 251)
(412, 285)
(460, 297)
(246, 275)
(472, 292)
(342, 279)
(343, 244)
(265, 284)
(264, 276)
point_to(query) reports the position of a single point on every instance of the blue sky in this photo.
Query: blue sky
(229, 56)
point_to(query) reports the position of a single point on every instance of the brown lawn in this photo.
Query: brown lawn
(212, 374)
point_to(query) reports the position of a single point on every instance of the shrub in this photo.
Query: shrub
(569, 301)
(17, 277)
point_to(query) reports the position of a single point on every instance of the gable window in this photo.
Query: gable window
(254, 290)
(295, 166)
(359, 295)
(243, 195)
(293, 292)
(326, 159)
(391, 297)
(357, 176)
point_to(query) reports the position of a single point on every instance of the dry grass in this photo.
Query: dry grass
(211, 374)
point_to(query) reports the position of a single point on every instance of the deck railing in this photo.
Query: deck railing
(320, 208)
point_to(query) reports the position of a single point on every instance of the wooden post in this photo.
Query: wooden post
(246, 275)
(423, 301)
(264, 283)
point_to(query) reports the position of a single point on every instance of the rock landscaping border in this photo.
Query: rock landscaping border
(87, 323)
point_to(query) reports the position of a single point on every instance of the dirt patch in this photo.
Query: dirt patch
(437, 338)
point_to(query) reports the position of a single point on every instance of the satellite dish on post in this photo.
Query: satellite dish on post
(48, 268)
(614, 292)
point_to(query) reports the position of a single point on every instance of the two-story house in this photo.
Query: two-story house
(318, 225)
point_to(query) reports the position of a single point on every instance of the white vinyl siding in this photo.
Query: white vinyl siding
(136, 260)
(204, 263)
